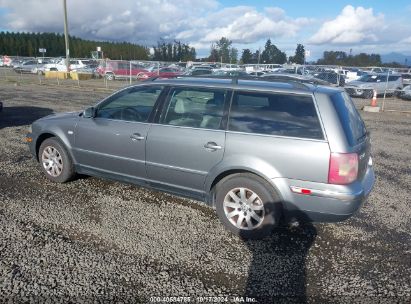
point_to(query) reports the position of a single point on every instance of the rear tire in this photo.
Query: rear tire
(55, 161)
(247, 205)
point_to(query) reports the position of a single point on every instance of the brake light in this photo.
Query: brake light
(343, 168)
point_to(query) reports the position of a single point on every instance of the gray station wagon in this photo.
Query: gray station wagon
(261, 153)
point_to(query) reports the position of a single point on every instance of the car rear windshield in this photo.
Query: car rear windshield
(351, 120)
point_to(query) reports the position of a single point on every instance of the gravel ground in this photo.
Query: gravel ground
(94, 240)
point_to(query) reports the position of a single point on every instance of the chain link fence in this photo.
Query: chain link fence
(392, 86)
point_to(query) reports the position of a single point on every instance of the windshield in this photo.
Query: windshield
(368, 78)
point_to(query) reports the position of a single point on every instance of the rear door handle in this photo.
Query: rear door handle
(212, 146)
(136, 136)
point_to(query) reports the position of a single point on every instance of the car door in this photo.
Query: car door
(114, 140)
(381, 84)
(189, 139)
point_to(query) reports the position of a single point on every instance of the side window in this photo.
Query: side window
(123, 66)
(197, 108)
(275, 114)
(133, 104)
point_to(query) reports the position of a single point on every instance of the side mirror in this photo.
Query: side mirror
(89, 113)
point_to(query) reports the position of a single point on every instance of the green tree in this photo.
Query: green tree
(246, 56)
(341, 58)
(233, 55)
(299, 56)
(271, 54)
(214, 57)
(27, 44)
(223, 47)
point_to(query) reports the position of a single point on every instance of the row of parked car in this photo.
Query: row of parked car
(357, 82)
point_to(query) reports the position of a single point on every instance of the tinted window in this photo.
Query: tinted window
(133, 104)
(275, 114)
(393, 78)
(197, 108)
(352, 123)
(123, 66)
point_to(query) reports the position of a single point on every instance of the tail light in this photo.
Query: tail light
(343, 168)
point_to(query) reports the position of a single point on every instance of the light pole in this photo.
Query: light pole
(66, 37)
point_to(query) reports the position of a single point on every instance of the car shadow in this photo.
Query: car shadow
(21, 116)
(277, 273)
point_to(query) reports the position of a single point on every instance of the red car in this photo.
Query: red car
(112, 69)
(162, 72)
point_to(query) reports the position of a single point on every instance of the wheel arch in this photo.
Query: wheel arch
(211, 187)
(42, 137)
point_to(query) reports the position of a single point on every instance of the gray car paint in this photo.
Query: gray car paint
(174, 158)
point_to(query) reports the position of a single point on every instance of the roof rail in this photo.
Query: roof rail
(298, 82)
(234, 79)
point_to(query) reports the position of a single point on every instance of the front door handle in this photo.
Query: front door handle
(136, 136)
(212, 146)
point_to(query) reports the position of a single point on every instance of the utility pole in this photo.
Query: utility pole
(66, 37)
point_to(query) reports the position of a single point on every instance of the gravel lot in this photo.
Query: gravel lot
(94, 240)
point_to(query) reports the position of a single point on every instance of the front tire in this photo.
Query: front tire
(247, 205)
(110, 76)
(55, 161)
(398, 92)
(368, 94)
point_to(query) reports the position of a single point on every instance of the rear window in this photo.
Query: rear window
(351, 120)
(275, 114)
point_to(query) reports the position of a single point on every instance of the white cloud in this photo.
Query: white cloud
(146, 21)
(352, 26)
(143, 21)
(406, 40)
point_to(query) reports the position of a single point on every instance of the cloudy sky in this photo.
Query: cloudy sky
(360, 26)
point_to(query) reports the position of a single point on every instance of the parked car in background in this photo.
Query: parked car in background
(365, 85)
(166, 72)
(259, 152)
(118, 69)
(230, 73)
(406, 78)
(30, 66)
(61, 66)
(354, 74)
(376, 70)
(331, 77)
(197, 71)
(6, 61)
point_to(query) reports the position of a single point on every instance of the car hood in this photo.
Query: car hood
(360, 84)
(60, 116)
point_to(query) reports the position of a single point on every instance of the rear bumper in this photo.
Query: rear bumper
(326, 202)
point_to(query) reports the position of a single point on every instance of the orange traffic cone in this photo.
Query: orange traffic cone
(374, 99)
